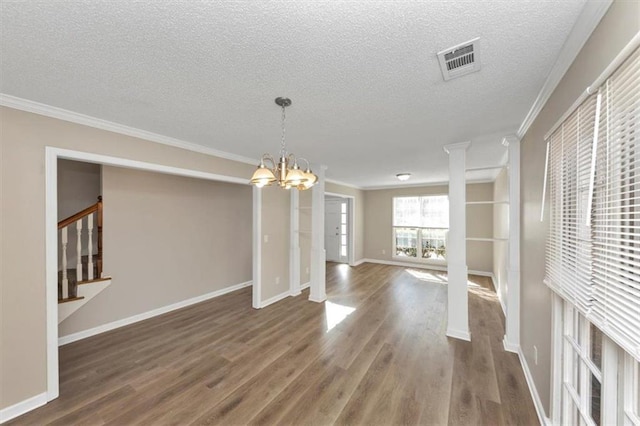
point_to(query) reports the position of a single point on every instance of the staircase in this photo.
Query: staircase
(83, 281)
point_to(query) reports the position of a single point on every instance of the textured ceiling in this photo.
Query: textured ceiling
(368, 97)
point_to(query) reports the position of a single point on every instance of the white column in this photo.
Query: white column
(294, 244)
(318, 254)
(512, 327)
(257, 247)
(458, 310)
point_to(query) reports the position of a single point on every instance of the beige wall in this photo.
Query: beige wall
(167, 239)
(23, 137)
(378, 222)
(359, 209)
(615, 30)
(276, 221)
(79, 185)
(501, 230)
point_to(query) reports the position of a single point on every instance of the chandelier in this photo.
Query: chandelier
(286, 172)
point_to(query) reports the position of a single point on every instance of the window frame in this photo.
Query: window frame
(417, 259)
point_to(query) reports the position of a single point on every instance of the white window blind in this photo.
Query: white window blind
(593, 256)
(616, 209)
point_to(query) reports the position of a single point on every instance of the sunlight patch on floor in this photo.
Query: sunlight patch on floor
(336, 313)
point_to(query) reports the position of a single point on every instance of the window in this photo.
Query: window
(593, 254)
(420, 226)
(588, 360)
(582, 381)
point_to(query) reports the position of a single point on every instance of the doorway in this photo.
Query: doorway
(338, 228)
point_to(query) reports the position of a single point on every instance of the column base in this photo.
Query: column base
(459, 334)
(509, 346)
(317, 299)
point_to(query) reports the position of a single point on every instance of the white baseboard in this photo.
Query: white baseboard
(149, 314)
(359, 262)
(274, 299)
(459, 334)
(544, 420)
(305, 285)
(419, 265)
(22, 407)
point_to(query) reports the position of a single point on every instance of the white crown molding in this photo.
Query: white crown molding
(348, 185)
(591, 15)
(418, 185)
(86, 120)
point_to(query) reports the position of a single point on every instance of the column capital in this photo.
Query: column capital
(510, 139)
(455, 146)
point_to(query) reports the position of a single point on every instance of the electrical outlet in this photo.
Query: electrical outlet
(266, 238)
(277, 280)
(384, 251)
(535, 354)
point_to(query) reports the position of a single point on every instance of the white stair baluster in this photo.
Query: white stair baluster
(79, 251)
(90, 248)
(65, 279)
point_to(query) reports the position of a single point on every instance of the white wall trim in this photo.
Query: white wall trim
(359, 262)
(149, 314)
(305, 285)
(52, 154)
(22, 407)
(86, 120)
(142, 165)
(591, 15)
(544, 420)
(275, 299)
(421, 266)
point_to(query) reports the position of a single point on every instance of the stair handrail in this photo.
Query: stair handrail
(95, 208)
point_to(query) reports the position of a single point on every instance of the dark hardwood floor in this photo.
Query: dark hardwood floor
(385, 361)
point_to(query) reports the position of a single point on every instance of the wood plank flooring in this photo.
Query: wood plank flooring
(221, 362)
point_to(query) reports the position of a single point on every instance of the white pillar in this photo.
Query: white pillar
(458, 309)
(294, 244)
(512, 321)
(318, 254)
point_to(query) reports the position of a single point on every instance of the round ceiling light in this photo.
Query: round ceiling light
(403, 176)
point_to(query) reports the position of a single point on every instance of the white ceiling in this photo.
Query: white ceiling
(368, 97)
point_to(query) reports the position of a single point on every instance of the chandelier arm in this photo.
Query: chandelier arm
(268, 157)
(292, 160)
(306, 161)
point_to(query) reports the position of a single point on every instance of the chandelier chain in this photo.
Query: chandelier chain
(283, 150)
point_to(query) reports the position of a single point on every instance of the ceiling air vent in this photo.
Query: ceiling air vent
(460, 60)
